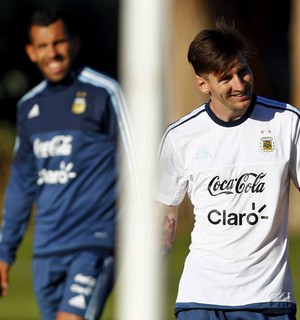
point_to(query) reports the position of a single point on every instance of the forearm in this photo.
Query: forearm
(169, 228)
(4, 284)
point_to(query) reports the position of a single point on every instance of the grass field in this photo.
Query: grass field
(20, 304)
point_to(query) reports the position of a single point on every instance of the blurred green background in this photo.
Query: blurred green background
(21, 305)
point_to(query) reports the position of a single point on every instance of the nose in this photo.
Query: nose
(52, 51)
(238, 83)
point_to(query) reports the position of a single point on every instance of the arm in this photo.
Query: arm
(19, 196)
(170, 218)
(4, 284)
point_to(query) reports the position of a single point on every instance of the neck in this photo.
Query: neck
(228, 114)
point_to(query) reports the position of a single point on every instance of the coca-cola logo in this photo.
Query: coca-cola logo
(59, 145)
(247, 182)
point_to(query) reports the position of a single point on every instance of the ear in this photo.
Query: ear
(202, 84)
(31, 52)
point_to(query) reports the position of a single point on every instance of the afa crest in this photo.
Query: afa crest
(267, 144)
(79, 105)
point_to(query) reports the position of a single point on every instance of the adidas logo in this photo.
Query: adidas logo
(34, 112)
(78, 302)
(203, 153)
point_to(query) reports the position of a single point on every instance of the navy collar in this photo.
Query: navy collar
(231, 123)
(65, 83)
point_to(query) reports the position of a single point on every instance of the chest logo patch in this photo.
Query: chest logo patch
(267, 144)
(79, 104)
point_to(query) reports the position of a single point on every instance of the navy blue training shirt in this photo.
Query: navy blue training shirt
(66, 163)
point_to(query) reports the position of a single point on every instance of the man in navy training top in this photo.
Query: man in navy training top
(65, 163)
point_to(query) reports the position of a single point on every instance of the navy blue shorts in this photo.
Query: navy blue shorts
(77, 283)
(202, 314)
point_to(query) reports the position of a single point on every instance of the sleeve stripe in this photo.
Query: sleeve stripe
(100, 80)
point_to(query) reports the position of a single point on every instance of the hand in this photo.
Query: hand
(4, 271)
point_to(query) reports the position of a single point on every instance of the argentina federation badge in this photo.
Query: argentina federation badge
(79, 103)
(267, 144)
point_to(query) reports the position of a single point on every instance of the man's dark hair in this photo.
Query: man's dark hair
(215, 50)
(45, 16)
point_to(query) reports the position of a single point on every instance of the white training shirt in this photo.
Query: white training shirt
(236, 175)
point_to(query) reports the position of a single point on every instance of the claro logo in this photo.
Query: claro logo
(247, 182)
(237, 219)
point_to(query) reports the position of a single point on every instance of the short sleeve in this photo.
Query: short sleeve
(295, 155)
(171, 177)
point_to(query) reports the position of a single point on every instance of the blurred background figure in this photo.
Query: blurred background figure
(65, 163)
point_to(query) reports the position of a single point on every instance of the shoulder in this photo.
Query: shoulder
(277, 106)
(184, 127)
(187, 121)
(31, 94)
(111, 87)
(98, 79)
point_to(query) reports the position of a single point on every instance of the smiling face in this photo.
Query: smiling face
(230, 92)
(53, 50)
